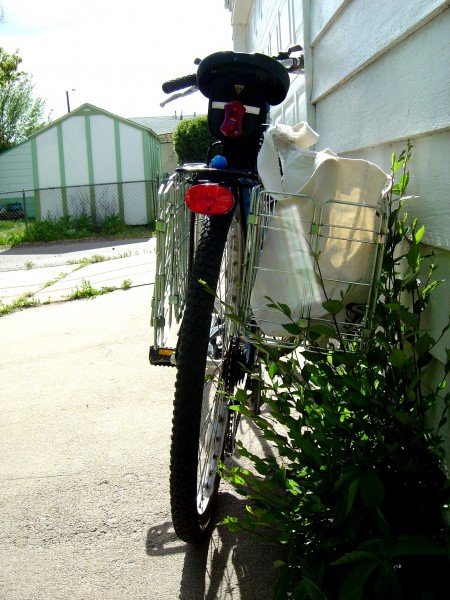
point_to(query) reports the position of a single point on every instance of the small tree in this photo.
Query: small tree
(20, 112)
(191, 140)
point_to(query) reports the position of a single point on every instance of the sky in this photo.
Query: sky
(114, 54)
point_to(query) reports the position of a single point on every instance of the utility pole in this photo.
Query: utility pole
(67, 98)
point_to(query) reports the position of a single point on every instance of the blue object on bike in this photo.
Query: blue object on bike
(219, 162)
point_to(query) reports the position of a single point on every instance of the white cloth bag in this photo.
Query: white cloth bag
(287, 273)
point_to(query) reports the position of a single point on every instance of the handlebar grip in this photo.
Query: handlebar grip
(178, 84)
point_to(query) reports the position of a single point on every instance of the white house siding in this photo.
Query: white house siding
(381, 76)
(132, 170)
(272, 26)
(16, 177)
(377, 74)
(16, 169)
(49, 174)
(103, 149)
(76, 170)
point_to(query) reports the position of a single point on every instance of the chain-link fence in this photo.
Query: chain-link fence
(134, 202)
(15, 206)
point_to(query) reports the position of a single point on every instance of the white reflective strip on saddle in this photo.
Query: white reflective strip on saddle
(253, 110)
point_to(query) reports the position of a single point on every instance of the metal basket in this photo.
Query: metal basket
(313, 231)
(174, 230)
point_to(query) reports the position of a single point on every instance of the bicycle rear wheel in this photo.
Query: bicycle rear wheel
(208, 357)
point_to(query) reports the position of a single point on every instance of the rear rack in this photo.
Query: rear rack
(172, 266)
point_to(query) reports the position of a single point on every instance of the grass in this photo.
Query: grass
(96, 258)
(15, 233)
(11, 230)
(87, 291)
(52, 281)
(24, 301)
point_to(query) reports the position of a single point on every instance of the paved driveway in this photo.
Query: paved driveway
(84, 446)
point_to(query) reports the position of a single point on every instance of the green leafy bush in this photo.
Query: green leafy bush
(355, 493)
(191, 140)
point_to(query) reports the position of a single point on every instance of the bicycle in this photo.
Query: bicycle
(208, 243)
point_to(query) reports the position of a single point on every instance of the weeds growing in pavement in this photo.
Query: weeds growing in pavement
(24, 301)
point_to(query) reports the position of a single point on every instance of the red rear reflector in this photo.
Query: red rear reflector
(209, 199)
(232, 123)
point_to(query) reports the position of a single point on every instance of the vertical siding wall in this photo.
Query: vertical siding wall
(377, 74)
(380, 77)
(16, 169)
(273, 26)
(103, 149)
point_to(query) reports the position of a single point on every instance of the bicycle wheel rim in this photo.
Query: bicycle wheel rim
(215, 421)
(201, 419)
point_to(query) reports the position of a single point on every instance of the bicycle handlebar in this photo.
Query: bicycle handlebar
(180, 83)
(291, 64)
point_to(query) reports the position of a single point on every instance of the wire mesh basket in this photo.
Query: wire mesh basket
(311, 269)
(174, 231)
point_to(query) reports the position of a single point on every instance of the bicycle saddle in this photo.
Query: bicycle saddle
(268, 70)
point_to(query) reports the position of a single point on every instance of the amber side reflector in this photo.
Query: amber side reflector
(209, 199)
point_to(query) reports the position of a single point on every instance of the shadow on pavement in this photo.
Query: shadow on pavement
(228, 565)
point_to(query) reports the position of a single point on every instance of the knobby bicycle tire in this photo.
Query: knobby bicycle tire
(205, 375)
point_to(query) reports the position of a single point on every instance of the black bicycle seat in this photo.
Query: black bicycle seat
(267, 69)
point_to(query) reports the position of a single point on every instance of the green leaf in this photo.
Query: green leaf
(413, 256)
(284, 309)
(292, 328)
(357, 398)
(353, 586)
(419, 234)
(424, 344)
(402, 417)
(396, 165)
(429, 288)
(323, 329)
(347, 477)
(399, 188)
(372, 490)
(395, 306)
(397, 358)
(306, 588)
(356, 556)
(408, 318)
(351, 494)
(333, 306)
(273, 369)
(345, 358)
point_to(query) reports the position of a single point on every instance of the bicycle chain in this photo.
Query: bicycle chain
(233, 371)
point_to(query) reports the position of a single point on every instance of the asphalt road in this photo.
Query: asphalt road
(84, 485)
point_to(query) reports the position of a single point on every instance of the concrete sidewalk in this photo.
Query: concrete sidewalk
(53, 272)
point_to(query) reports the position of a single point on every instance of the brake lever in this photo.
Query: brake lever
(187, 92)
(289, 51)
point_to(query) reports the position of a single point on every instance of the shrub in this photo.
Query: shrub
(191, 140)
(355, 494)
